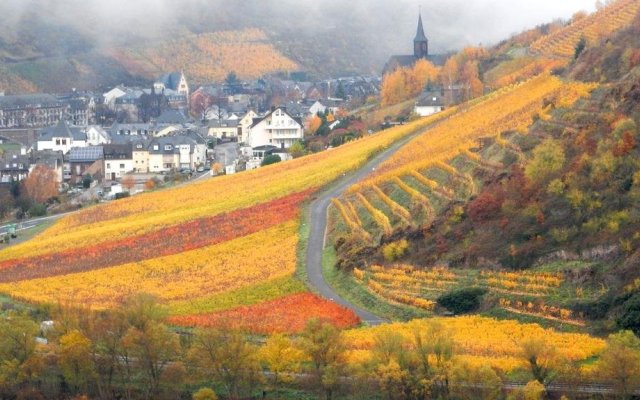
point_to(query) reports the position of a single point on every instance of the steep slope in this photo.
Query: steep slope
(560, 201)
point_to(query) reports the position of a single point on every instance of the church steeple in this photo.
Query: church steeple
(420, 43)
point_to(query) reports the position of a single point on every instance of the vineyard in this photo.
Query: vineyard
(592, 28)
(436, 168)
(479, 340)
(530, 293)
(211, 250)
(208, 57)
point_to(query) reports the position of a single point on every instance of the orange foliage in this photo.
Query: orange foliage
(594, 27)
(405, 83)
(163, 242)
(41, 184)
(284, 315)
(208, 57)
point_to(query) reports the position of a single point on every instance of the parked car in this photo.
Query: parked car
(200, 169)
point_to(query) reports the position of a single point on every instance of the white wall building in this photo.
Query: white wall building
(61, 138)
(278, 128)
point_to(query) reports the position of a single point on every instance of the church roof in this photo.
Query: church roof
(420, 36)
(171, 80)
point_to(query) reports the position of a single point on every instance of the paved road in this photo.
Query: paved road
(318, 225)
(22, 225)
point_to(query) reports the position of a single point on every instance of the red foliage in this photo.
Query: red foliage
(166, 241)
(287, 314)
(624, 145)
(486, 205)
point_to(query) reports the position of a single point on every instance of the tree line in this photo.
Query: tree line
(130, 353)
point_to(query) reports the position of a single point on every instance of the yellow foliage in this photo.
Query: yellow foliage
(480, 340)
(220, 268)
(151, 211)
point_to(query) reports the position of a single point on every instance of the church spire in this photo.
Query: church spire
(420, 43)
(420, 36)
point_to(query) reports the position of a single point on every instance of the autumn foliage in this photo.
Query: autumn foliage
(593, 28)
(408, 82)
(284, 315)
(207, 57)
(41, 184)
(166, 241)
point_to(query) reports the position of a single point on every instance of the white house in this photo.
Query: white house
(278, 128)
(429, 103)
(61, 138)
(317, 107)
(111, 96)
(97, 136)
(244, 124)
(118, 160)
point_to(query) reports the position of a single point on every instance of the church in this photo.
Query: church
(420, 51)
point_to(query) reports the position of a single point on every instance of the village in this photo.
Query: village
(142, 136)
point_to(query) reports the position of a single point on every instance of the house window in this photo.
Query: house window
(155, 147)
(64, 141)
(121, 166)
(108, 165)
(138, 146)
(168, 147)
(57, 142)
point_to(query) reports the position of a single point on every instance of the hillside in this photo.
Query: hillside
(204, 249)
(542, 215)
(208, 57)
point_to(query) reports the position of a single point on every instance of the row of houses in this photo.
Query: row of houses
(181, 150)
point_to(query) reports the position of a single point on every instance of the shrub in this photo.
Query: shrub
(462, 301)
(271, 159)
(395, 250)
(205, 394)
(121, 195)
(38, 210)
(86, 181)
(630, 318)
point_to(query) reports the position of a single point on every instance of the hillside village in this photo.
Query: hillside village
(465, 226)
(165, 128)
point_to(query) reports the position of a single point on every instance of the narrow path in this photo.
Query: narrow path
(318, 225)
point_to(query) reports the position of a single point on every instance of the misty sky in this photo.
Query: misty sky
(455, 23)
(378, 28)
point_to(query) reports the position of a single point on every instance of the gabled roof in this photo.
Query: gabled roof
(50, 158)
(256, 121)
(171, 80)
(430, 99)
(118, 151)
(62, 130)
(171, 116)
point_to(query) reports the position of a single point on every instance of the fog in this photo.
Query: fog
(450, 24)
(369, 30)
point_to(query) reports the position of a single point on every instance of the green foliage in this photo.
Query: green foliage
(395, 250)
(548, 158)
(462, 301)
(271, 159)
(86, 181)
(297, 149)
(580, 46)
(37, 210)
(630, 318)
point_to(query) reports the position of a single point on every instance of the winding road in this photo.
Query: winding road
(318, 226)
